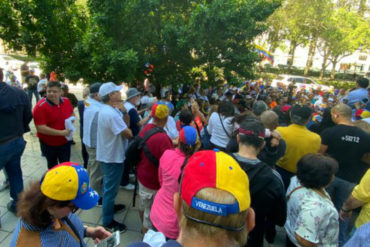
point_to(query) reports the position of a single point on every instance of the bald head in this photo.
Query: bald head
(270, 119)
(343, 110)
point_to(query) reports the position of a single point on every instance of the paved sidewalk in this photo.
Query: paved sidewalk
(34, 166)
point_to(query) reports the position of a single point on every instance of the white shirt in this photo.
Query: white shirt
(92, 108)
(312, 216)
(111, 145)
(217, 132)
(40, 84)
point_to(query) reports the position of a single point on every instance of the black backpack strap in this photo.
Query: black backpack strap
(228, 135)
(145, 147)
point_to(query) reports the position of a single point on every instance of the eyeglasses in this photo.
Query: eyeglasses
(73, 208)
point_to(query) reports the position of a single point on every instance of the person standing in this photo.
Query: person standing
(90, 129)
(133, 101)
(41, 85)
(81, 109)
(266, 187)
(25, 70)
(112, 142)
(15, 116)
(349, 145)
(49, 116)
(172, 162)
(147, 171)
(299, 142)
(31, 81)
(133, 97)
(359, 94)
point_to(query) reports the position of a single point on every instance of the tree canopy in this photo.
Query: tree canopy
(336, 28)
(101, 40)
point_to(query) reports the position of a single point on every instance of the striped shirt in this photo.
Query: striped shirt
(55, 235)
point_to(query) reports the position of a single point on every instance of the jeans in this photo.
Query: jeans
(56, 154)
(10, 153)
(112, 173)
(125, 180)
(33, 91)
(339, 190)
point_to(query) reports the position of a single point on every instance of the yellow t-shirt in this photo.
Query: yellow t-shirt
(299, 142)
(362, 193)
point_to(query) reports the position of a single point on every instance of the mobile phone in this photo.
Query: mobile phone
(112, 241)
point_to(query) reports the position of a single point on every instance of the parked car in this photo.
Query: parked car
(299, 82)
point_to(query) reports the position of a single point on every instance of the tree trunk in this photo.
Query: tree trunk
(334, 62)
(293, 47)
(324, 62)
(362, 8)
(311, 54)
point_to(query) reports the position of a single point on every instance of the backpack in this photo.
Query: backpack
(138, 144)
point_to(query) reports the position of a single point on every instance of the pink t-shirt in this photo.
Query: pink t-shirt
(162, 214)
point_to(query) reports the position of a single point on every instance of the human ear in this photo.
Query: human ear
(251, 219)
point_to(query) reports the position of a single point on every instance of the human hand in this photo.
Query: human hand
(97, 233)
(343, 215)
(120, 106)
(275, 138)
(65, 132)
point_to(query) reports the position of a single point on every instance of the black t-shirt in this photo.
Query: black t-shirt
(32, 81)
(347, 144)
(134, 120)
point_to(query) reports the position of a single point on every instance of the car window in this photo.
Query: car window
(298, 80)
(309, 81)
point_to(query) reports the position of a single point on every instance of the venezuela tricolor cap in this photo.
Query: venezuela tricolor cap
(215, 169)
(69, 181)
(160, 110)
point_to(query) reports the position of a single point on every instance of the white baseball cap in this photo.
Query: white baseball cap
(107, 88)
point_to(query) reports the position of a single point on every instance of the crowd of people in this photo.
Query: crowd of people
(217, 166)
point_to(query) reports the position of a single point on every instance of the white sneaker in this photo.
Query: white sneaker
(4, 185)
(128, 187)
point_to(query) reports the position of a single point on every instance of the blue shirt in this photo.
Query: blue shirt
(356, 96)
(50, 236)
(170, 243)
(361, 238)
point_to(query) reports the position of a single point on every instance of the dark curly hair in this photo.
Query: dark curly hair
(316, 171)
(32, 206)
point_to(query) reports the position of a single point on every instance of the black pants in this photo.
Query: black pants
(56, 154)
(85, 155)
(285, 175)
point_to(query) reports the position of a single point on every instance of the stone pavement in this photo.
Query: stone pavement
(34, 166)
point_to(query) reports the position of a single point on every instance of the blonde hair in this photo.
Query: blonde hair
(270, 119)
(235, 238)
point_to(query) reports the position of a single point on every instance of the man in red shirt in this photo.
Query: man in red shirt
(147, 172)
(49, 116)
